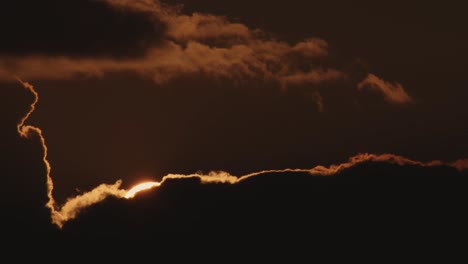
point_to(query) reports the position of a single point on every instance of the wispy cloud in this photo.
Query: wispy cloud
(393, 92)
(191, 44)
(180, 44)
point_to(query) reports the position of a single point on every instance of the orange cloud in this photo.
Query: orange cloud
(205, 44)
(225, 177)
(182, 27)
(264, 60)
(26, 131)
(73, 206)
(461, 164)
(393, 93)
(354, 160)
(192, 44)
(204, 27)
(313, 47)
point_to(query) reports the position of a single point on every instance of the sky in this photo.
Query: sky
(227, 107)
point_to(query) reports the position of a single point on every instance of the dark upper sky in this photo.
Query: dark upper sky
(135, 92)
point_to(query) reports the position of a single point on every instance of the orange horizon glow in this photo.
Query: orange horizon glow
(140, 187)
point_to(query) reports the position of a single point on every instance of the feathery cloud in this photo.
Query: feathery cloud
(393, 93)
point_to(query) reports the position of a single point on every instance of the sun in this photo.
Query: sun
(140, 187)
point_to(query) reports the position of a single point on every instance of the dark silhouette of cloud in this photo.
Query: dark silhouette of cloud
(369, 195)
(75, 28)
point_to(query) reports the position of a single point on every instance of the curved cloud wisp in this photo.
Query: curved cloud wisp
(393, 93)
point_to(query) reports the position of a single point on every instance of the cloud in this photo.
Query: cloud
(372, 195)
(27, 130)
(61, 214)
(393, 93)
(204, 27)
(211, 177)
(73, 206)
(362, 158)
(176, 45)
(182, 27)
(461, 164)
(76, 28)
(266, 60)
(166, 45)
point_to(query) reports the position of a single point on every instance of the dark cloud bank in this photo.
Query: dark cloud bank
(370, 196)
(75, 28)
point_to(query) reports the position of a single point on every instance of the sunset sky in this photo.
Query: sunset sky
(225, 93)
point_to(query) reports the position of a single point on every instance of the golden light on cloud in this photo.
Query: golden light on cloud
(141, 187)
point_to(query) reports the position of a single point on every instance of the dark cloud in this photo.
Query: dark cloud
(75, 28)
(370, 195)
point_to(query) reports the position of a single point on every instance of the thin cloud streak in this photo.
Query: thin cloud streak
(26, 131)
(225, 177)
(73, 206)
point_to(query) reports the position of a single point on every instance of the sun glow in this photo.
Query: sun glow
(140, 187)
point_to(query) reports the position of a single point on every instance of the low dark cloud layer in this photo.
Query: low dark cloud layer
(369, 196)
(75, 28)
